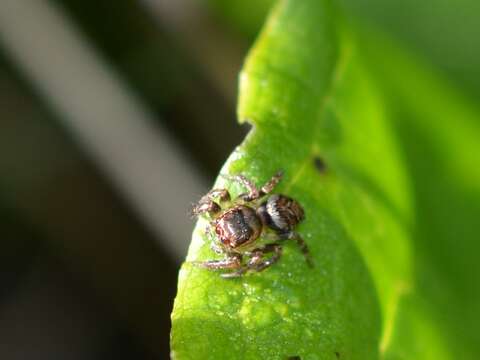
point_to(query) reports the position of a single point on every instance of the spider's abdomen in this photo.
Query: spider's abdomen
(281, 213)
(238, 226)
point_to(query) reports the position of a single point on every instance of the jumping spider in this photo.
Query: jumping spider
(241, 223)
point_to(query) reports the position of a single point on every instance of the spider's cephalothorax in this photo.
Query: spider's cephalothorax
(240, 223)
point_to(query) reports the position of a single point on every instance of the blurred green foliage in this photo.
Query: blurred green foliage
(392, 222)
(245, 17)
(444, 32)
(438, 130)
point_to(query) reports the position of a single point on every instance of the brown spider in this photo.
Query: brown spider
(239, 224)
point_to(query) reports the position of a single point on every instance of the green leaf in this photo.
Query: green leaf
(391, 280)
(299, 99)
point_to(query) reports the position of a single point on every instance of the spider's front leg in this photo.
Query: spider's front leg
(208, 204)
(253, 192)
(270, 185)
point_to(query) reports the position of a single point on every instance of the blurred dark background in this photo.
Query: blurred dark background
(105, 106)
(115, 116)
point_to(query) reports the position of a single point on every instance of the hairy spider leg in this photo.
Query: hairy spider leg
(216, 248)
(270, 185)
(257, 261)
(221, 194)
(292, 235)
(233, 261)
(214, 245)
(253, 192)
(207, 203)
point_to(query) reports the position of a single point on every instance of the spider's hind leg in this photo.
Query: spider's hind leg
(258, 261)
(292, 235)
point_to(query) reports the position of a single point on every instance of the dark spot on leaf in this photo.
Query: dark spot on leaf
(296, 357)
(319, 164)
(337, 354)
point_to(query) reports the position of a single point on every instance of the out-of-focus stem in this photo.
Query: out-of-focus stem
(106, 119)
